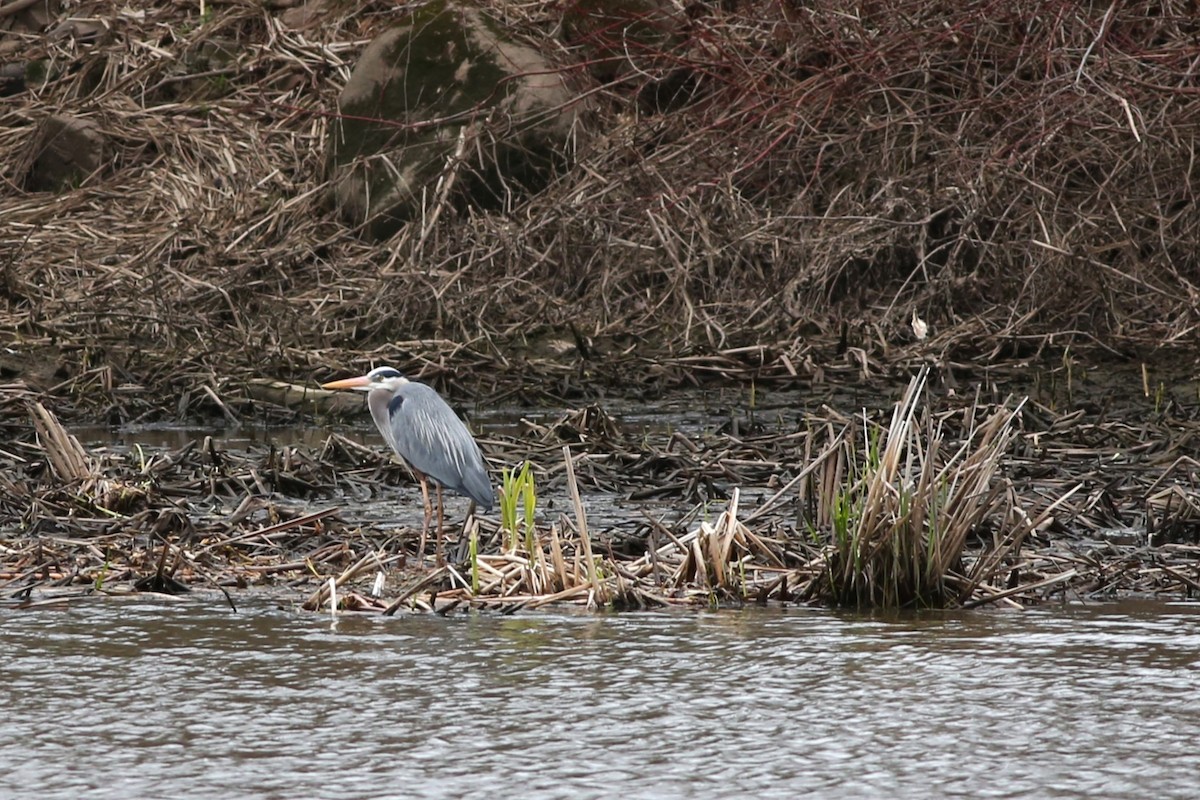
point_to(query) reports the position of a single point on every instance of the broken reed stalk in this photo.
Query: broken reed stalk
(721, 540)
(319, 596)
(70, 463)
(556, 557)
(63, 451)
(987, 566)
(432, 579)
(585, 542)
(811, 466)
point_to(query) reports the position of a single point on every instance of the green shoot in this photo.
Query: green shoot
(517, 486)
(508, 507)
(529, 501)
(101, 575)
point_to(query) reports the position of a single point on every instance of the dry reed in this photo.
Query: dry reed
(901, 509)
(763, 193)
(761, 190)
(961, 504)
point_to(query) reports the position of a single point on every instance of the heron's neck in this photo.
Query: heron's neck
(377, 401)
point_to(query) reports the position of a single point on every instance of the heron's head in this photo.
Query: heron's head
(379, 378)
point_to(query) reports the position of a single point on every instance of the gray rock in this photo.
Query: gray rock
(305, 15)
(447, 94)
(66, 150)
(12, 78)
(29, 17)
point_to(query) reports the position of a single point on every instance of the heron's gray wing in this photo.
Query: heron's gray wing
(428, 435)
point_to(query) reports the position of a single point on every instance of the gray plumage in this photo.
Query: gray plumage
(429, 436)
(423, 430)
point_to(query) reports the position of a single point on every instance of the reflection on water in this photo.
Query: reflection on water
(692, 412)
(136, 699)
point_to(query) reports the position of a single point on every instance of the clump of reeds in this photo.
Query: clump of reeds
(76, 474)
(528, 566)
(900, 508)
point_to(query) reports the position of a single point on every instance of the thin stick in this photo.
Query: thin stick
(314, 602)
(415, 589)
(446, 184)
(804, 473)
(276, 528)
(580, 519)
(1052, 580)
(229, 415)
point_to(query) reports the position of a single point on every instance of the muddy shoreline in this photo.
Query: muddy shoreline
(1113, 468)
(758, 203)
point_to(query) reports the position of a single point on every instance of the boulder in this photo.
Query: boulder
(12, 78)
(66, 150)
(303, 16)
(445, 106)
(28, 16)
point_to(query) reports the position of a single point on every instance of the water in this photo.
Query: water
(139, 699)
(692, 412)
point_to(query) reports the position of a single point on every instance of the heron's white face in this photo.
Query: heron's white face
(385, 378)
(388, 378)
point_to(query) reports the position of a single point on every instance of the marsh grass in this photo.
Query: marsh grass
(901, 505)
(518, 507)
(935, 502)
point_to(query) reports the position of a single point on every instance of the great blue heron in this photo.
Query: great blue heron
(428, 435)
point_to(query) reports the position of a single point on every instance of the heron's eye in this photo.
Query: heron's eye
(383, 373)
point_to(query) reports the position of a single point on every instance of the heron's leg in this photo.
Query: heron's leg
(441, 554)
(428, 515)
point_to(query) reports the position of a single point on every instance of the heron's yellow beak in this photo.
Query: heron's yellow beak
(360, 382)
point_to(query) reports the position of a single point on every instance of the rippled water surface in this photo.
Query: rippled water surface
(141, 699)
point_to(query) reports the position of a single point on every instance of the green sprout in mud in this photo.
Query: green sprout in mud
(98, 584)
(517, 489)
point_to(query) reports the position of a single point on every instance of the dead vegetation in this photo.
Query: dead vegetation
(942, 504)
(763, 192)
(773, 185)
